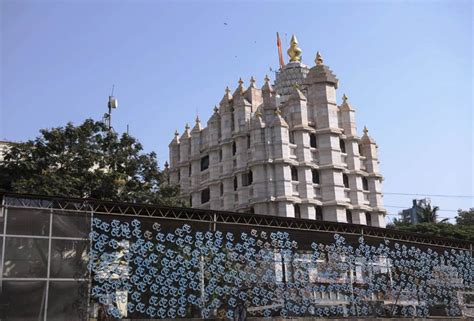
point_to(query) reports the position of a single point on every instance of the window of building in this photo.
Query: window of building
(349, 216)
(345, 179)
(204, 163)
(297, 210)
(248, 141)
(342, 145)
(179, 175)
(190, 200)
(291, 137)
(360, 150)
(294, 173)
(247, 178)
(205, 196)
(312, 140)
(235, 183)
(319, 213)
(315, 173)
(365, 184)
(222, 189)
(190, 169)
(234, 148)
(368, 218)
(220, 155)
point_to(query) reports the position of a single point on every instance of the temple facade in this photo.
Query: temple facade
(285, 149)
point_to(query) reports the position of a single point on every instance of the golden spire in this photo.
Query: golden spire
(296, 86)
(294, 51)
(319, 59)
(258, 113)
(366, 131)
(278, 111)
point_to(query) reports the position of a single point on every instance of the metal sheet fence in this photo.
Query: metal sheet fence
(75, 260)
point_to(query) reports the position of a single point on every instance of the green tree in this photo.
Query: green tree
(428, 214)
(89, 161)
(465, 217)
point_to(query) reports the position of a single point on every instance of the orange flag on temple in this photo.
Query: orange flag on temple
(280, 53)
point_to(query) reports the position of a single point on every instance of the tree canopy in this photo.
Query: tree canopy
(429, 225)
(86, 161)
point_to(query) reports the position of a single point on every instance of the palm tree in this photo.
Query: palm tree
(428, 214)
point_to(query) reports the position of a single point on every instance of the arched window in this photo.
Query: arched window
(319, 213)
(315, 173)
(248, 141)
(360, 150)
(190, 169)
(235, 183)
(294, 173)
(291, 137)
(342, 144)
(205, 196)
(312, 140)
(345, 180)
(349, 216)
(365, 184)
(368, 218)
(234, 148)
(297, 210)
(222, 189)
(220, 155)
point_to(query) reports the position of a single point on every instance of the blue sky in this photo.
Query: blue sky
(406, 67)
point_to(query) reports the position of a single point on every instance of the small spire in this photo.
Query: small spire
(296, 86)
(227, 90)
(241, 82)
(344, 98)
(167, 165)
(294, 51)
(266, 79)
(186, 127)
(252, 82)
(176, 133)
(197, 119)
(366, 131)
(319, 59)
(216, 109)
(278, 111)
(258, 113)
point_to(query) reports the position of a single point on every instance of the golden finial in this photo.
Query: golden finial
(186, 127)
(344, 98)
(252, 82)
(258, 113)
(216, 109)
(296, 86)
(319, 59)
(366, 131)
(294, 51)
(266, 78)
(278, 111)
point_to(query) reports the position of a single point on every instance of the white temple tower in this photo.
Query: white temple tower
(286, 150)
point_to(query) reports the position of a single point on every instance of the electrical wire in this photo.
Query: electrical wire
(433, 195)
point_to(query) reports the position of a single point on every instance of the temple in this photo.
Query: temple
(285, 149)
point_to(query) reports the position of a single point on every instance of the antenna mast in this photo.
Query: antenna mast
(112, 104)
